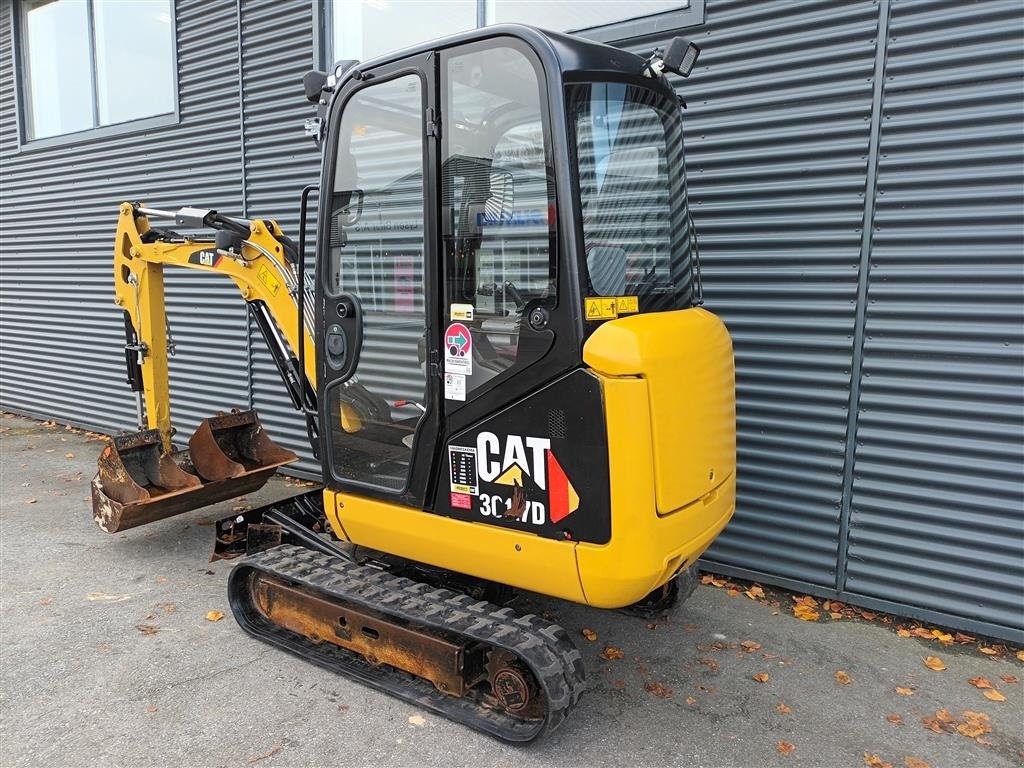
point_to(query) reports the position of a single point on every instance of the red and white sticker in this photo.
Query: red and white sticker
(461, 501)
(458, 350)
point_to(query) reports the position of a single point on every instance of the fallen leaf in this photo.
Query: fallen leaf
(807, 600)
(657, 689)
(619, 684)
(836, 615)
(980, 682)
(1010, 679)
(942, 637)
(343, 708)
(710, 664)
(874, 761)
(915, 762)
(147, 629)
(750, 646)
(611, 653)
(870, 616)
(151, 710)
(31, 501)
(922, 633)
(69, 455)
(843, 678)
(782, 709)
(214, 615)
(256, 759)
(972, 729)
(652, 625)
(1020, 655)
(962, 638)
(590, 634)
(934, 663)
(690, 700)
(988, 651)
(784, 747)
(993, 695)
(905, 691)
(417, 720)
(940, 722)
(48, 600)
(102, 597)
(806, 613)
(761, 677)
(944, 716)
(894, 719)
(754, 592)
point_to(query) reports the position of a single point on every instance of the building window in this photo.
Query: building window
(363, 29)
(92, 63)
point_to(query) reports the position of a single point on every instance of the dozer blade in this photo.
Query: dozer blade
(137, 483)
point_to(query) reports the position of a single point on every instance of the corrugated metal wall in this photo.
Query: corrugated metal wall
(61, 337)
(800, 131)
(936, 515)
(276, 51)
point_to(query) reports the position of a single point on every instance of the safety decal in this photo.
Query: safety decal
(266, 277)
(625, 305)
(454, 386)
(522, 479)
(458, 350)
(461, 501)
(601, 308)
(463, 470)
(205, 258)
(462, 311)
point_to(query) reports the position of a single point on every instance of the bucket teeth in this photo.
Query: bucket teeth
(136, 483)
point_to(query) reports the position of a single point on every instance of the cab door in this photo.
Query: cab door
(376, 316)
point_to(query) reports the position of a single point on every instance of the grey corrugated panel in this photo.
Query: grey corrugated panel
(61, 336)
(777, 134)
(937, 516)
(277, 50)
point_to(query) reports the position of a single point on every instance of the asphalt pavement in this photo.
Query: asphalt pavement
(108, 658)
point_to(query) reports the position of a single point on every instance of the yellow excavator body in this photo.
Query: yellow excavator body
(501, 357)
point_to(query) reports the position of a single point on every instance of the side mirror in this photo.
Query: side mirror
(313, 84)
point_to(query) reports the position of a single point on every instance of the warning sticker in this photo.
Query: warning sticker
(601, 308)
(454, 386)
(458, 349)
(266, 277)
(463, 469)
(625, 305)
(461, 500)
(462, 311)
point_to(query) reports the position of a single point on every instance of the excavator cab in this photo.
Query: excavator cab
(506, 267)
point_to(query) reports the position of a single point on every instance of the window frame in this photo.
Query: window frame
(657, 24)
(22, 86)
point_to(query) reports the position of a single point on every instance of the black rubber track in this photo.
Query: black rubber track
(544, 647)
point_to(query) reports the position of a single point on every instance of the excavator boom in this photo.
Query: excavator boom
(141, 476)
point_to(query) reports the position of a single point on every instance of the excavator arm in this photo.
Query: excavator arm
(257, 262)
(142, 477)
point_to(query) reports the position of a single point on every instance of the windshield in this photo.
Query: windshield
(636, 225)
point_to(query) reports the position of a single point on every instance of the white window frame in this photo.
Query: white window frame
(98, 131)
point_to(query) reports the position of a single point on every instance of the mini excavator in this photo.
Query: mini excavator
(502, 362)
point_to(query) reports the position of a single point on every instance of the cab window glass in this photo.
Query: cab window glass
(498, 222)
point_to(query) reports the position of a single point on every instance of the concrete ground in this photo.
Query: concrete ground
(107, 658)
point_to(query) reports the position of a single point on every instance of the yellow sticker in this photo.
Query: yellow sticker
(626, 304)
(267, 278)
(600, 308)
(462, 311)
